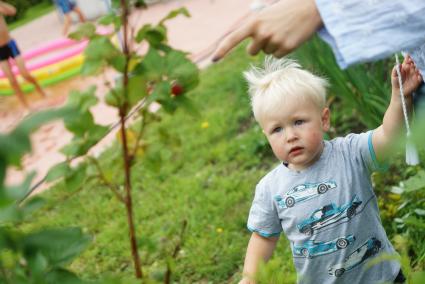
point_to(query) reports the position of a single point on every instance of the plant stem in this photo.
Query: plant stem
(129, 202)
(126, 157)
(140, 134)
(105, 181)
(167, 277)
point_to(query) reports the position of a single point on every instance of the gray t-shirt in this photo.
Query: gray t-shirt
(329, 214)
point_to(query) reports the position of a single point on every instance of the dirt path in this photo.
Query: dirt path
(210, 20)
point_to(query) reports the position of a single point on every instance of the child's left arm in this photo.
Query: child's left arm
(393, 119)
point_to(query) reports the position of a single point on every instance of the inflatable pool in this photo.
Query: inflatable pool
(51, 63)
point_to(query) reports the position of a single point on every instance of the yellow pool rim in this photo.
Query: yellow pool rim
(47, 72)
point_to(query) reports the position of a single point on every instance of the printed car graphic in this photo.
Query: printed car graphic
(303, 192)
(327, 215)
(311, 248)
(368, 249)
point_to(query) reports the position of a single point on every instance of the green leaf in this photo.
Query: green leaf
(188, 106)
(112, 98)
(161, 92)
(111, 19)
(108, 19)
(14, 145)
(71, 150)
(82, 100)
(85, 30)
(57, 171)
(152, 67)
(137, 89)
(92, 67)
(156, 36)
(181, 11)
(10, 213)
(59, 246)
(38, 264)
(34, 121)
(32, 205)
(118, 62)
(80, 124)
(100, 48)
(19, 191)
(153, 35)
(86, 133)
(62, 276)
(415, 182)
(180, 68)
(74, 180)
(413, 221)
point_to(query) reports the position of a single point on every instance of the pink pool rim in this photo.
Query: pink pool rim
(72, 48)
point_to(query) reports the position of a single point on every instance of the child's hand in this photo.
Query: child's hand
(410, 77)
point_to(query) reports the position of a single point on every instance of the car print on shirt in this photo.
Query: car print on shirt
(312, 248)
(327, 215)
(368, 249)
(303, 192)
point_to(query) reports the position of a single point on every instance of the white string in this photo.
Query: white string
(412, 156)
(403, 102)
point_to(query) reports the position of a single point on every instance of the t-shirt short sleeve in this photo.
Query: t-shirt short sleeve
(263, 217)
(360, 147)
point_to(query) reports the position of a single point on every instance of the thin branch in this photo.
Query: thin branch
(104, 180)
(140, 134)
(177, 248)
(127, 165)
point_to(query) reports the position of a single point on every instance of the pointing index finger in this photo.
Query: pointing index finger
(232, 40)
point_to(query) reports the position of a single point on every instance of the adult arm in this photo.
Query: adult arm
(278, 29)
(368, 30)
(393, 121)
(7, 9)
(357, 30)
(259, 249)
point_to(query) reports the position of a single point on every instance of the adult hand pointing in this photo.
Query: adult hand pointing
(277, 30)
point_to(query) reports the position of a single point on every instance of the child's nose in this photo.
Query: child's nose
(290, 134)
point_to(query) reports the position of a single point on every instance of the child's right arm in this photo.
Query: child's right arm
(259, 249)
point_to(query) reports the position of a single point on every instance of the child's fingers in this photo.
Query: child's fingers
(394, 72)
(405, 59)
(419, 77)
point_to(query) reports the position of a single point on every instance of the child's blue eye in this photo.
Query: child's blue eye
(299, 122)
(277, 129)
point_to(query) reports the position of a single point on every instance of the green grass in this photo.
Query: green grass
(33, 13)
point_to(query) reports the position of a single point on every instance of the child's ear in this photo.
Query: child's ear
(326, 119)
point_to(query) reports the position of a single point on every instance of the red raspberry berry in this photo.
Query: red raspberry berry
(176, 89)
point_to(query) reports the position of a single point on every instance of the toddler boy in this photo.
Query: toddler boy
(321, 194)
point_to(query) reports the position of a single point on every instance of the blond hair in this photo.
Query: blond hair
(281, 79)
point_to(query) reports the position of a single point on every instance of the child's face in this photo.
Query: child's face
(296, 134)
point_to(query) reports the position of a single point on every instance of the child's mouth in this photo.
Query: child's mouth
(295, 151)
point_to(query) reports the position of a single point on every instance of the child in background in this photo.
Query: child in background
(10, 50)
(68, 6)
(320, 195)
